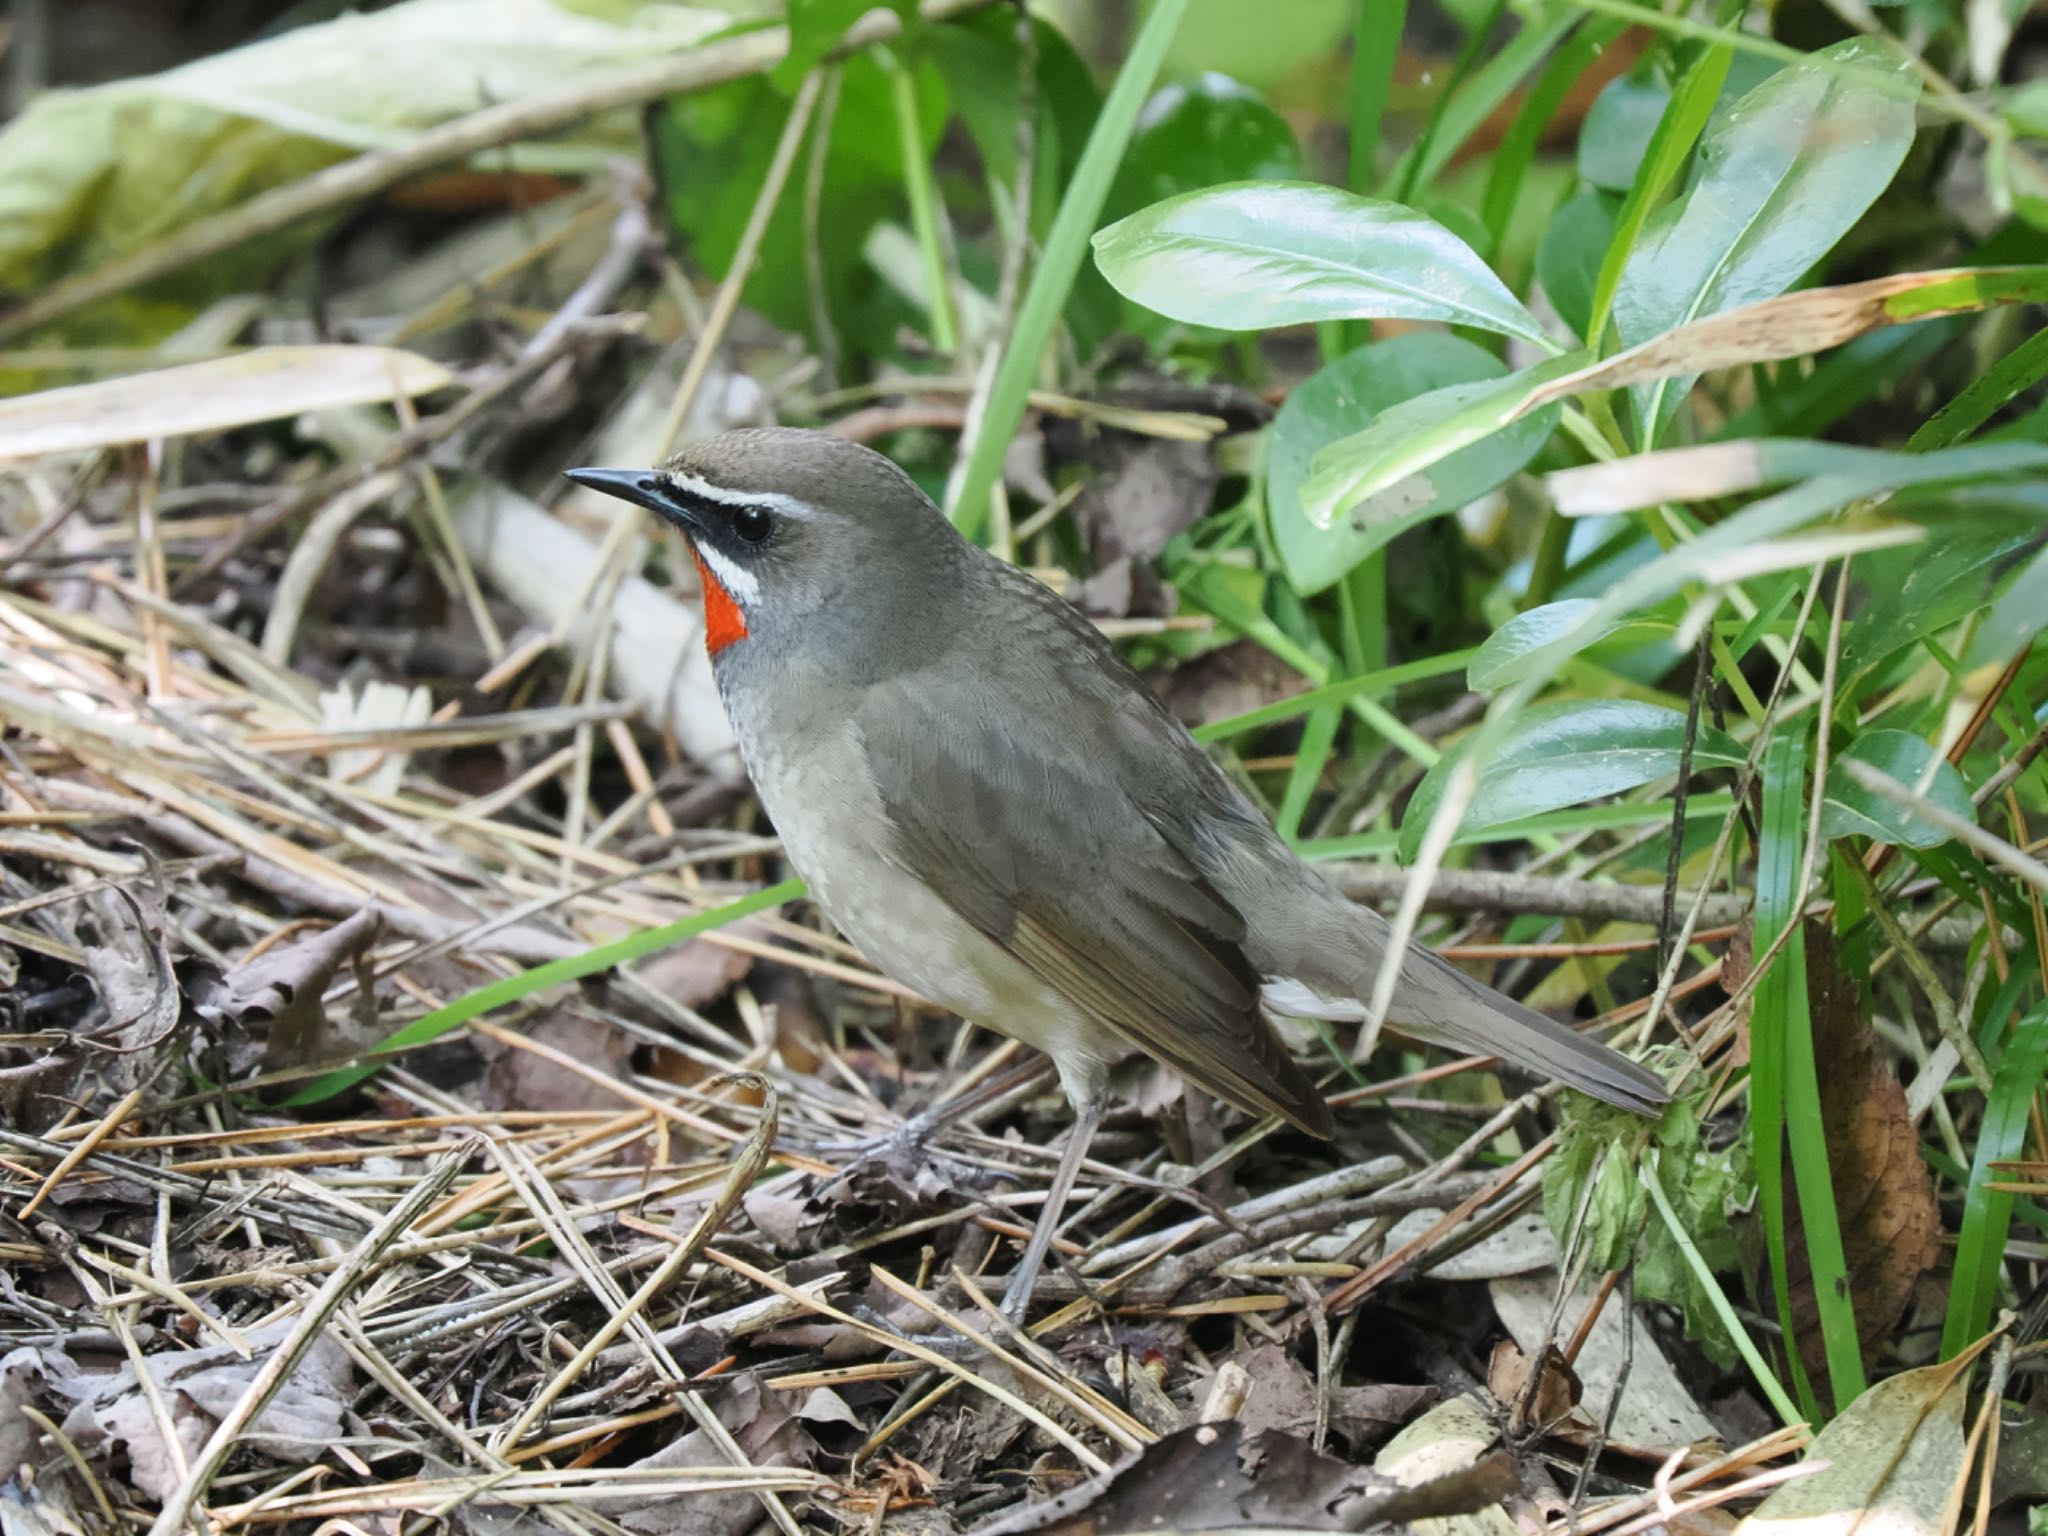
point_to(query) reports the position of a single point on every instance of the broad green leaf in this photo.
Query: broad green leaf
(1565, 753)
(1540, 637)
(1407, 465)
(1783, 175)
(1850, 810)
(1255, 255)
(1618, 129)
(1942, 582)
(1568, 258)
(1201, 133)
(815, 28)
(1334, 403)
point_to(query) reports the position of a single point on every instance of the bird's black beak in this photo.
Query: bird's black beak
(643, 488)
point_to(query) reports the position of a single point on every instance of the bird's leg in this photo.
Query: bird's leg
(1024, 1279)
(907, 1141)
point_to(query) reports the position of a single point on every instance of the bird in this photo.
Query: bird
(994, 807)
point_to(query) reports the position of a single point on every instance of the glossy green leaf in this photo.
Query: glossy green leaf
(1618, 129)
(1783, 175)
(1565, 753)
(1569, 255)
(1408, 464)
(1335, 403)
(1531, 639)
(1850, 810)
(1202, 133)
(1946, 579)
(1255, 255)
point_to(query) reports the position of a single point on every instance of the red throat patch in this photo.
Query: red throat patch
(724, 624)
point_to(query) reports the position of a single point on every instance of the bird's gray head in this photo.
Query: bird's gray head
(799, 536)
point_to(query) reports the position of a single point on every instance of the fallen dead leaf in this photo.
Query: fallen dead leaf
(286, 986)
(1886, 1466)
(1215, 1477)
(198, 1388)
(261, 384)
(519, 1079)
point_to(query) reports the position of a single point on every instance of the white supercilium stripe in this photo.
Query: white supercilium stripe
(725, 496)
(737, 580)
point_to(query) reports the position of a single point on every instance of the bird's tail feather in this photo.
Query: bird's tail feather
(1439, 1003)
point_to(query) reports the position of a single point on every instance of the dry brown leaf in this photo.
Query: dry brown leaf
(286, 985)
(518, 1079)
(1791, 325)
(262, 384)
(1884, 1195)
(1216, 1477)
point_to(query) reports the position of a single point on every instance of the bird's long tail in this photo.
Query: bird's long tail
(1439, 1003)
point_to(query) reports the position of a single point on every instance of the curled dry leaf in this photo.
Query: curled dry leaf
(286, 986)
(198, 1388)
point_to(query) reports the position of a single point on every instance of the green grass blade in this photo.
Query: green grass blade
(1310, 759)
(1692, 103)
(1784, 823)
(922, 187)
(1375, 46)
(1987, 1213)
(2018, 370)
(1710, 1284)
(1517, 151)
(511, 989)
(1367, 685)
(1066, 244)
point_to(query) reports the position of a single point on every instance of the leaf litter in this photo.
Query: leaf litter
(221, 876)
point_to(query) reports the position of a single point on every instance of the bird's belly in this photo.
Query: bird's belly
(833, 829)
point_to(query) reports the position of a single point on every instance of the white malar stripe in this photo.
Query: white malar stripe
(1298, 1000)
(725, 496)
(742, 584)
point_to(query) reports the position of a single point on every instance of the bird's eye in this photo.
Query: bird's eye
(751, 524)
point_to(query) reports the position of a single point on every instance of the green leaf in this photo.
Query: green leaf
(1783, 175)
(87, 176)
(1564, 753)
(1432, 454)
(1568, 258)
(1850, 810)
(1334, 403)
(815, 28)
(1531, 639)
(1987, 1214)
(1618, 130)
(1261, 254)
(1059, 264)
(510, 989)
(1941, 582)
(2015, 616)
(711, 153)
(1201, 133)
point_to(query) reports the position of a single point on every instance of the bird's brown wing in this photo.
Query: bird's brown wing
(1026, 829)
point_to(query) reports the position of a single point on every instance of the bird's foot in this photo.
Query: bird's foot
(905, 1164)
